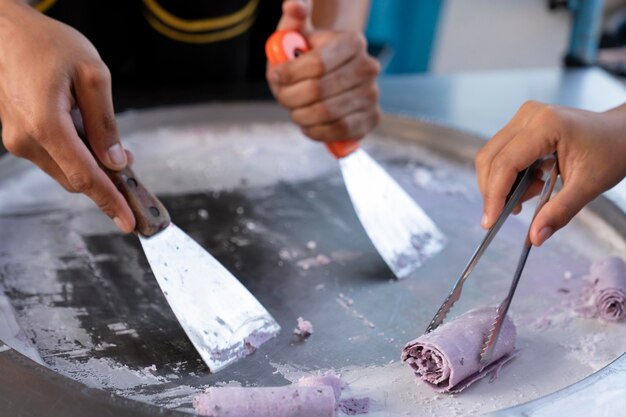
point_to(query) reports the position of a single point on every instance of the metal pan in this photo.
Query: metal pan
(269, 204)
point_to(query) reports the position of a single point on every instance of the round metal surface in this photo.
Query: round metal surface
(271, 207)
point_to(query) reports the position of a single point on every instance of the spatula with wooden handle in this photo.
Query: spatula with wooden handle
(223, 320)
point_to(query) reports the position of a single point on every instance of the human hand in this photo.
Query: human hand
(330, 91)
(48, 69)
(591, 151)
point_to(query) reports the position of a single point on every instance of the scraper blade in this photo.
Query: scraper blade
(402, 233)
(400, 230)
(221, 317)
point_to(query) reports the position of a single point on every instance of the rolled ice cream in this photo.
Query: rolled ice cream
(315, 396)
(608, 278)
(448, 358)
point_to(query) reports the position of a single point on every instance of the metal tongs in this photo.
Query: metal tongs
(544, 165)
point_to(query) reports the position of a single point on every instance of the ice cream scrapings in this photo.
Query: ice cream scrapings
(304, 328)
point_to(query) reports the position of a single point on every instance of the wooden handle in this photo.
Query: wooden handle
(150, 214)
(287, 45)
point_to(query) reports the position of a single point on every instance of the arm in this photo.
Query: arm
(340, 14)
(591, 150)
(331, 91)
(48, 69)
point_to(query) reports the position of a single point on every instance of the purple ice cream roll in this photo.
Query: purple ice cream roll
(287, 401)
(448, 358)
(609, 288)
(327, 380)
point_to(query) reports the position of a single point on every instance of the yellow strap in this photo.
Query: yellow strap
(200, 37)
(44, 5)
(201, 25)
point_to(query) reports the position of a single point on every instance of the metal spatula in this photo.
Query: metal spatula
(400, 230)
(221, 317)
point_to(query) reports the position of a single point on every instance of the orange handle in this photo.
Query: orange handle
(287, 45)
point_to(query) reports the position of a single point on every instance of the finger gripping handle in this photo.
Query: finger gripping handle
(150, 214)
(286, 45)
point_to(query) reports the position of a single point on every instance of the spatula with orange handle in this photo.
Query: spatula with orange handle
(400, 230)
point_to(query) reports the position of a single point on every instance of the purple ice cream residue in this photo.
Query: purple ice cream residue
(303, 329)
(353, 406)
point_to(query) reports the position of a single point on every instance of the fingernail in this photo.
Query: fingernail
(275, 76)
(485, 220)
(118, 222)
(544, 234)
(116, 154)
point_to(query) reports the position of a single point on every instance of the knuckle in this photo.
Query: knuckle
(281, 98)
(501, 165)
(357, 39)
(323, 110)
(373, 93)
(80, 182)
(371, 67)
(107, 205)
(317, 66)
(35, 130)
(95, 74)
(285, 75)
(530, 105)
(313, 89)
(378, 114)
(562, 213)
(16, 144)
(296, 116)
(341, 128)
(481, 159)
(549, 116)
(316, 134)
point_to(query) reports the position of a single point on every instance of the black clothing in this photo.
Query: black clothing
(175, 42)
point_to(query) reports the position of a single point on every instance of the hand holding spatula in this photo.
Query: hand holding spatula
(221, 317)
(400, 230)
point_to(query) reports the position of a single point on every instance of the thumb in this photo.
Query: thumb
(557, 212)
(295, 14)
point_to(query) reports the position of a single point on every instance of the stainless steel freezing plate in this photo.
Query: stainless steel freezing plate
(271, 207)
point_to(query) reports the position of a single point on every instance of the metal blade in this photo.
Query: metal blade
(220, 316)
(402, 233)
(489, 345)
(12, 334)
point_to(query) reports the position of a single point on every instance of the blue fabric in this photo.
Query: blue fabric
(408, 29)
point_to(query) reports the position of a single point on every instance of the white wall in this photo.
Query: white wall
(496, 34)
